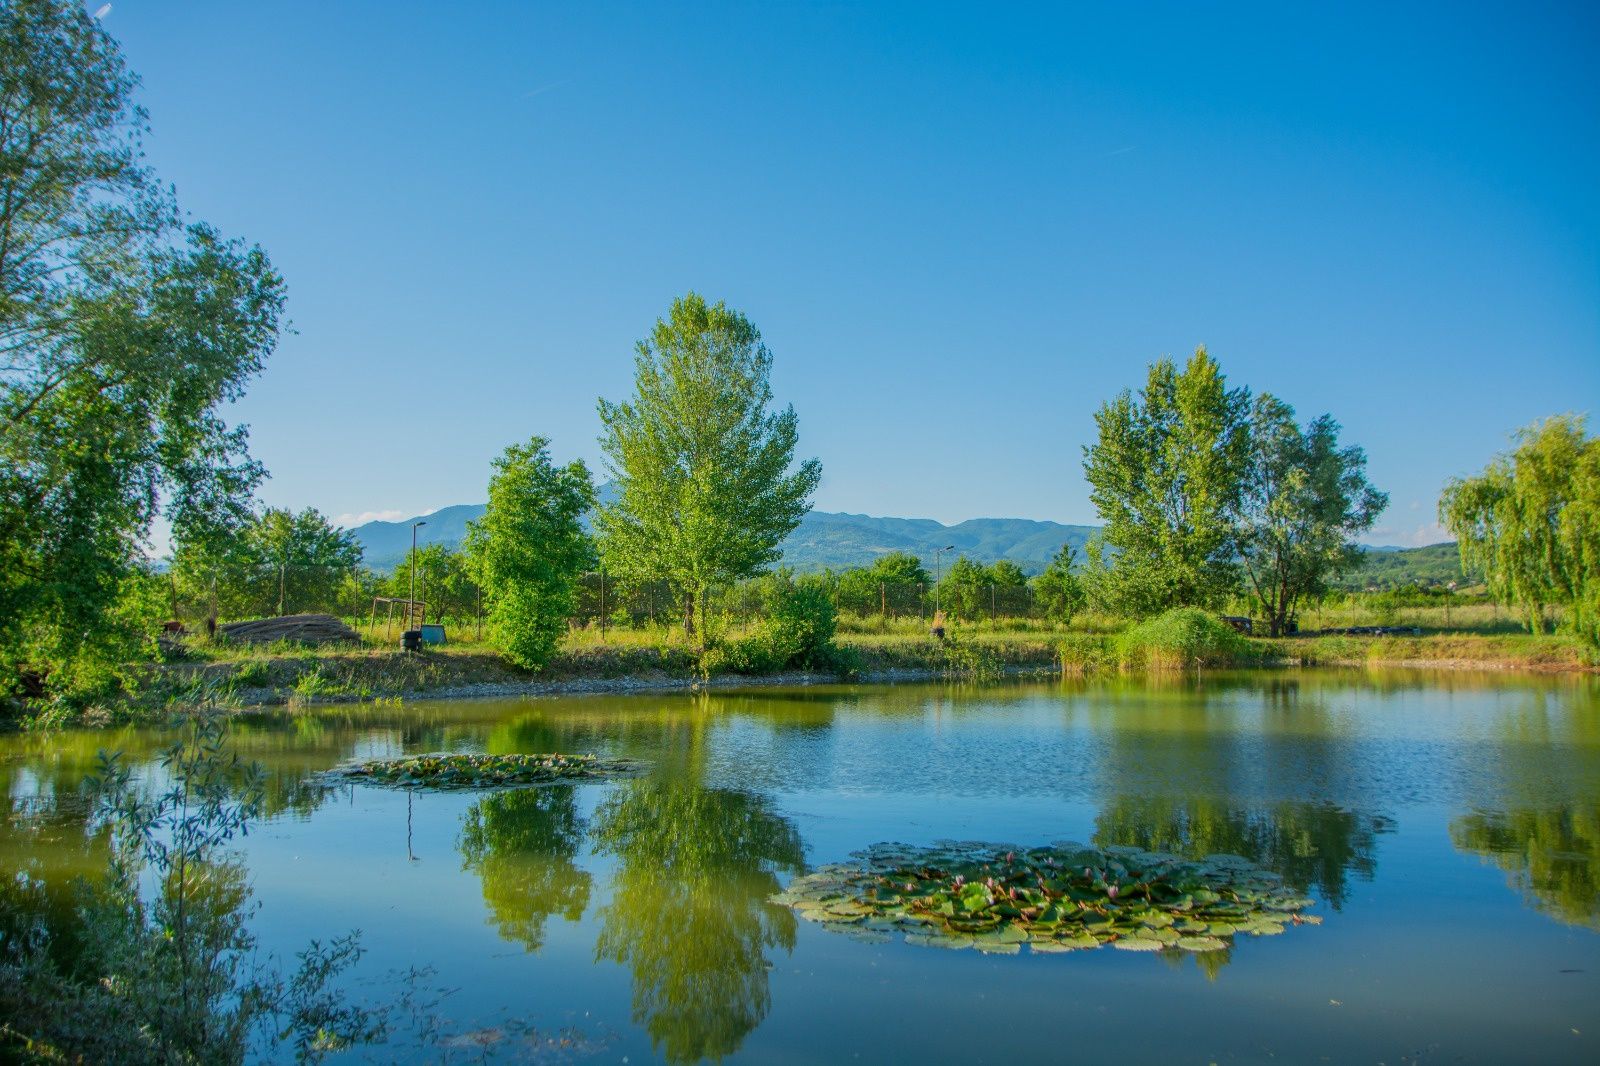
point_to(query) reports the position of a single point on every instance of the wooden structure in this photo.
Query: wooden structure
(412, 614)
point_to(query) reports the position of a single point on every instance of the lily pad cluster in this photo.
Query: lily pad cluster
(470, 770)
(1064, 897)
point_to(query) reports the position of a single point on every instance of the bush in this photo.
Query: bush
(1181, 638)
(796, 634)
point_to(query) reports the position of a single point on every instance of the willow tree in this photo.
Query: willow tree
(1305, 499)
(1530, 523)
(1166, 473)
(702, 466)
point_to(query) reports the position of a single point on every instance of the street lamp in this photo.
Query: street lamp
(937, 573)
(412, 606)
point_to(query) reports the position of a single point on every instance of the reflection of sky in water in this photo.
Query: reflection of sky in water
(1450, 825)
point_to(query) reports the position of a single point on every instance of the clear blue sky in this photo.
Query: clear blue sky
(959, 229)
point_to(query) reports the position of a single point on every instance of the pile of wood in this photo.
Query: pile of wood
(306, 628)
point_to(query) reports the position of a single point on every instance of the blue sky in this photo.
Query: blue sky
(960, 229)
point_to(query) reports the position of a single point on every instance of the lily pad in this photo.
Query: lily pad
(470, 770)
(1060, 898)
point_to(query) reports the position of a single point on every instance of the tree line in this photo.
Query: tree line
(125, 330)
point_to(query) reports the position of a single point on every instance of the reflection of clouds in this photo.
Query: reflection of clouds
(689, 912)
(1551, 856)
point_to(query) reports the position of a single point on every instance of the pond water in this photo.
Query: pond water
(1448, 827)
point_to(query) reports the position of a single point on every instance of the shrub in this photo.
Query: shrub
(796, 634)
(1181, 638)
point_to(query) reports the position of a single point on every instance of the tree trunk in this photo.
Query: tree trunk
(688, 615)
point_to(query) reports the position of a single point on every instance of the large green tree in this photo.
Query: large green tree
(122, 334)
(700, 461)
(1305, 499)
(531, 548)
(1166, 473)
(1530, 523)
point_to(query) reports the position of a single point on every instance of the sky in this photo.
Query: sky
(960, 229)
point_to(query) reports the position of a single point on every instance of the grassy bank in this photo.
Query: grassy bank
(632, 660)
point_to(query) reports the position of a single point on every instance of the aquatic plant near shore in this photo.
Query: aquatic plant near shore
(462, 770)
(1064, 897)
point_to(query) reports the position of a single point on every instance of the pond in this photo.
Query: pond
(1446, 826)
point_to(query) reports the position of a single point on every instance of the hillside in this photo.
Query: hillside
(824, 540)
(829, 540)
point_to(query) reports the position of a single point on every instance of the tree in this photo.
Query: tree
(1058, 591)
(1165, 474)
(122, 333)
(279, 562)
(1305, 499)
(893, 582)
(1530, 523)
(446, 581)
(700, 463)
(963, 589)
(531, 548)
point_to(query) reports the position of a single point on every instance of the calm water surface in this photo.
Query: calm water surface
(1448, 826)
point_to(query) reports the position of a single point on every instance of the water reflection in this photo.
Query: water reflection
(689, 912)
(1551, 856)
(523, 846)
(1312, 846)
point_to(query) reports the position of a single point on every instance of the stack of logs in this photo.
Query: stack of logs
(306, 628)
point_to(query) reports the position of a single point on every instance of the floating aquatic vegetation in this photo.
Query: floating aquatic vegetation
(469, 770)
(1065, 897)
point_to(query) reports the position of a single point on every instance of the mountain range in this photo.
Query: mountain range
(824, 540)
(828, 540)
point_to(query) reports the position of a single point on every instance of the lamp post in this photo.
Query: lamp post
(412, 606)
(938, 573)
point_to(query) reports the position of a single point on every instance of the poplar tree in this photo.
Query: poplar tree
(1166, 475)
(700, 462)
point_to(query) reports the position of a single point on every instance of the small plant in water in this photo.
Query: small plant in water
(1064, 897)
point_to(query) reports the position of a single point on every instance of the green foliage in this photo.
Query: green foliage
(892, 584)
(175, 977)
(1304, 501)
(1165, 474)
(530, 548)
(796, 633)
(1181, 638)
(963, 589)
(700, 464)
(122, 335)
(446, 581)
(1531, 524)
(278, 562)
(1059, 592)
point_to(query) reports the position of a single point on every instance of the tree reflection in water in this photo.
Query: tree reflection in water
(1311, 846)
(1552, 856)
(689, 913)
(522, 844)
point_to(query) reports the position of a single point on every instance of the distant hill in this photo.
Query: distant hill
(829, 540)
(824, 540)
(1437, 564)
